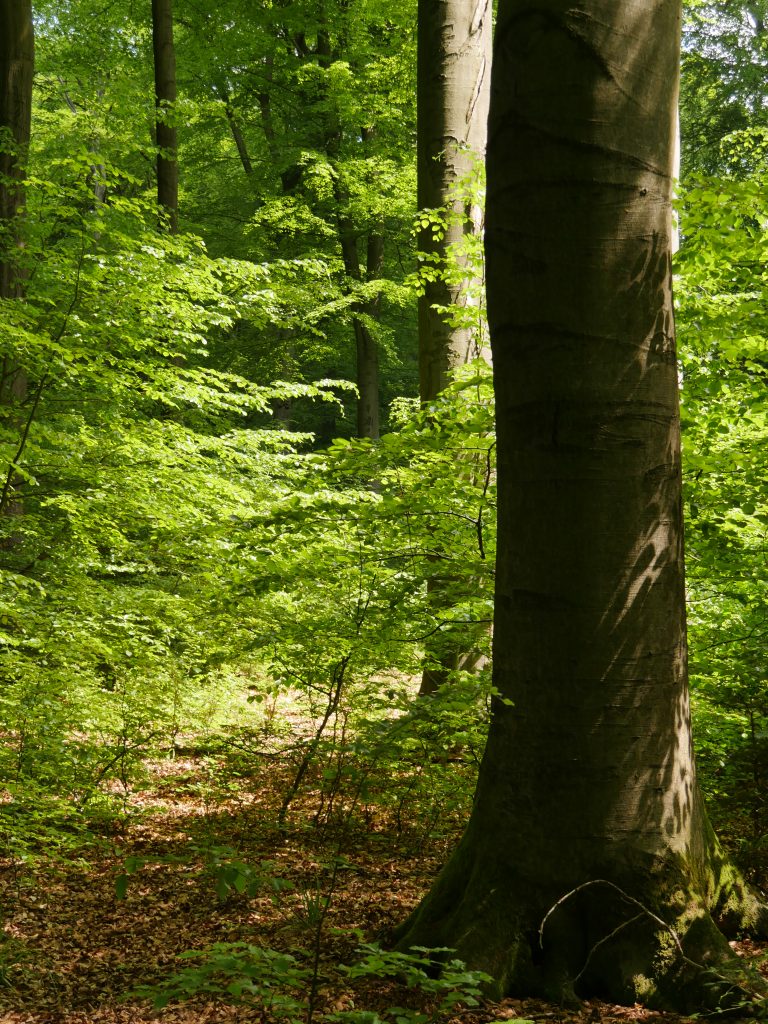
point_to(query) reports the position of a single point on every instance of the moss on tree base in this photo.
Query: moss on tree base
(663, 948)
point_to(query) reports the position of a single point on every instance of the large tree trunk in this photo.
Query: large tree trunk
(165, 101)
(453, 75)
(588, 864)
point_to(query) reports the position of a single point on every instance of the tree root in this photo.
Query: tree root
(598, 939)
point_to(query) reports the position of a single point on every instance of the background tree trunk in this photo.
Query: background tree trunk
(366, 349)
(165, 100)
(366, 346)
(588, 865)
(237, 135)
(453, 88)
(17, 61)
(17, 65)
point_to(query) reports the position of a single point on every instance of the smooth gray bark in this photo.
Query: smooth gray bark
(453, 88)
(588, 865)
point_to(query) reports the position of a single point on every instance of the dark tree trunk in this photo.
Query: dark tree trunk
(238, 137)
(588, 865)
(17, 65)
(289, 176)
(165, 101)
(17, 62)
(366, 349)
(453, 76)
(367, 380)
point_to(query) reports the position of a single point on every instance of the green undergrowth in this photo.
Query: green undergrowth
(287, 985)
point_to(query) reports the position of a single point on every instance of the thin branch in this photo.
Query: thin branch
(644, 911)
(624, 895)
(602, 942)
(13, 463)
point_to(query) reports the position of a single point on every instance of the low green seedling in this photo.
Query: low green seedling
(447, 982)
(237, 972)
(232, 876)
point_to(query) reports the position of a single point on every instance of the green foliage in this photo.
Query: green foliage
(723, 83)
(127, 464)
(348, 607)
(232, 876)
(164, 549)
(173, 562)
(240, 972)
(446, 983)
(724, 345)
(343, 165)
(223, 868)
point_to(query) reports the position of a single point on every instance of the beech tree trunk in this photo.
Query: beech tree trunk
(366, 349)
(238, 137)
(453, 87)
(165, 120)
(17, 64)
(588, 865)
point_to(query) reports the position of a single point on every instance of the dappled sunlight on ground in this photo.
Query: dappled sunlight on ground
(73, 949)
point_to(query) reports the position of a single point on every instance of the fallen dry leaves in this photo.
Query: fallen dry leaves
(74, 949)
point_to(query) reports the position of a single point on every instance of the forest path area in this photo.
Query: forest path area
(196, 862)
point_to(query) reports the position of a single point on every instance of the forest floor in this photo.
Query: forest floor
(73, 949)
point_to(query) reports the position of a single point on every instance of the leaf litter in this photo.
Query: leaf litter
(73, 950)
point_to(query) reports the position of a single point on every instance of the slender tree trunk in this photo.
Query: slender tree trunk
(453, 90)
(98, 170)
(289, 176)
(453, 77)
(17, 61)
(238, 137)
(367, 380)
(17, 64)
(366, 349)
(264, 99)
(165, 120)
(588, 865)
